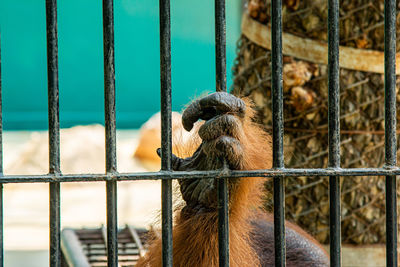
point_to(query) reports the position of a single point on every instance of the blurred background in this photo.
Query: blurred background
(24, 89)
(80, 35)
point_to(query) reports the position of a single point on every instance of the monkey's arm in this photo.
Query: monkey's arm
(228, 136)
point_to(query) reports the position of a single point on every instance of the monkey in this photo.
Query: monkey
(228, 137)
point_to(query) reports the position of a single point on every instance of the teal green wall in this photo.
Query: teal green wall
(23, 52)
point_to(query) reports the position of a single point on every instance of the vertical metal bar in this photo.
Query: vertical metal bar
(223, 222)
(334, 130)
(110, 131)
(220, 45)
(1, 172)
(390, 131)
(166, 130)
(54, 130)
(277, 134)
(222, 190)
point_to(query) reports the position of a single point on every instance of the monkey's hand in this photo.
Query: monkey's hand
(221, 136)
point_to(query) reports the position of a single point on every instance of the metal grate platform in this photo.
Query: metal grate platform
(88, 247)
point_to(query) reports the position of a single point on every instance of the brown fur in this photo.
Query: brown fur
(195, 238)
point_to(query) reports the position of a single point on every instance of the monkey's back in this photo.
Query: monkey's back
(301, 248)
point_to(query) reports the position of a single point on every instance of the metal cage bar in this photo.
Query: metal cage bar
(1, 171)
(110, 131)
(277, 132)
(390, 131)
(166, 130)
(223, 221)
(168, 175)
(220, 46)
(334, 131)
(54, 131)
(220, 82)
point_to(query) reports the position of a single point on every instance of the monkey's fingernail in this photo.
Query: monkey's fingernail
(223, 102)
(159, 152)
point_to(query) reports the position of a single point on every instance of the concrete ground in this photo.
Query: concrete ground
(26, 206)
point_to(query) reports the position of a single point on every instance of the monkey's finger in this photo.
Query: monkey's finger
(191, 114)
(222, 102)
(176, 162)
(225, 147)
(194, 112)
(221, 125)
(211, 106)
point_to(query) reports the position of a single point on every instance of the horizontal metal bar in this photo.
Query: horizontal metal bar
(166, 175)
